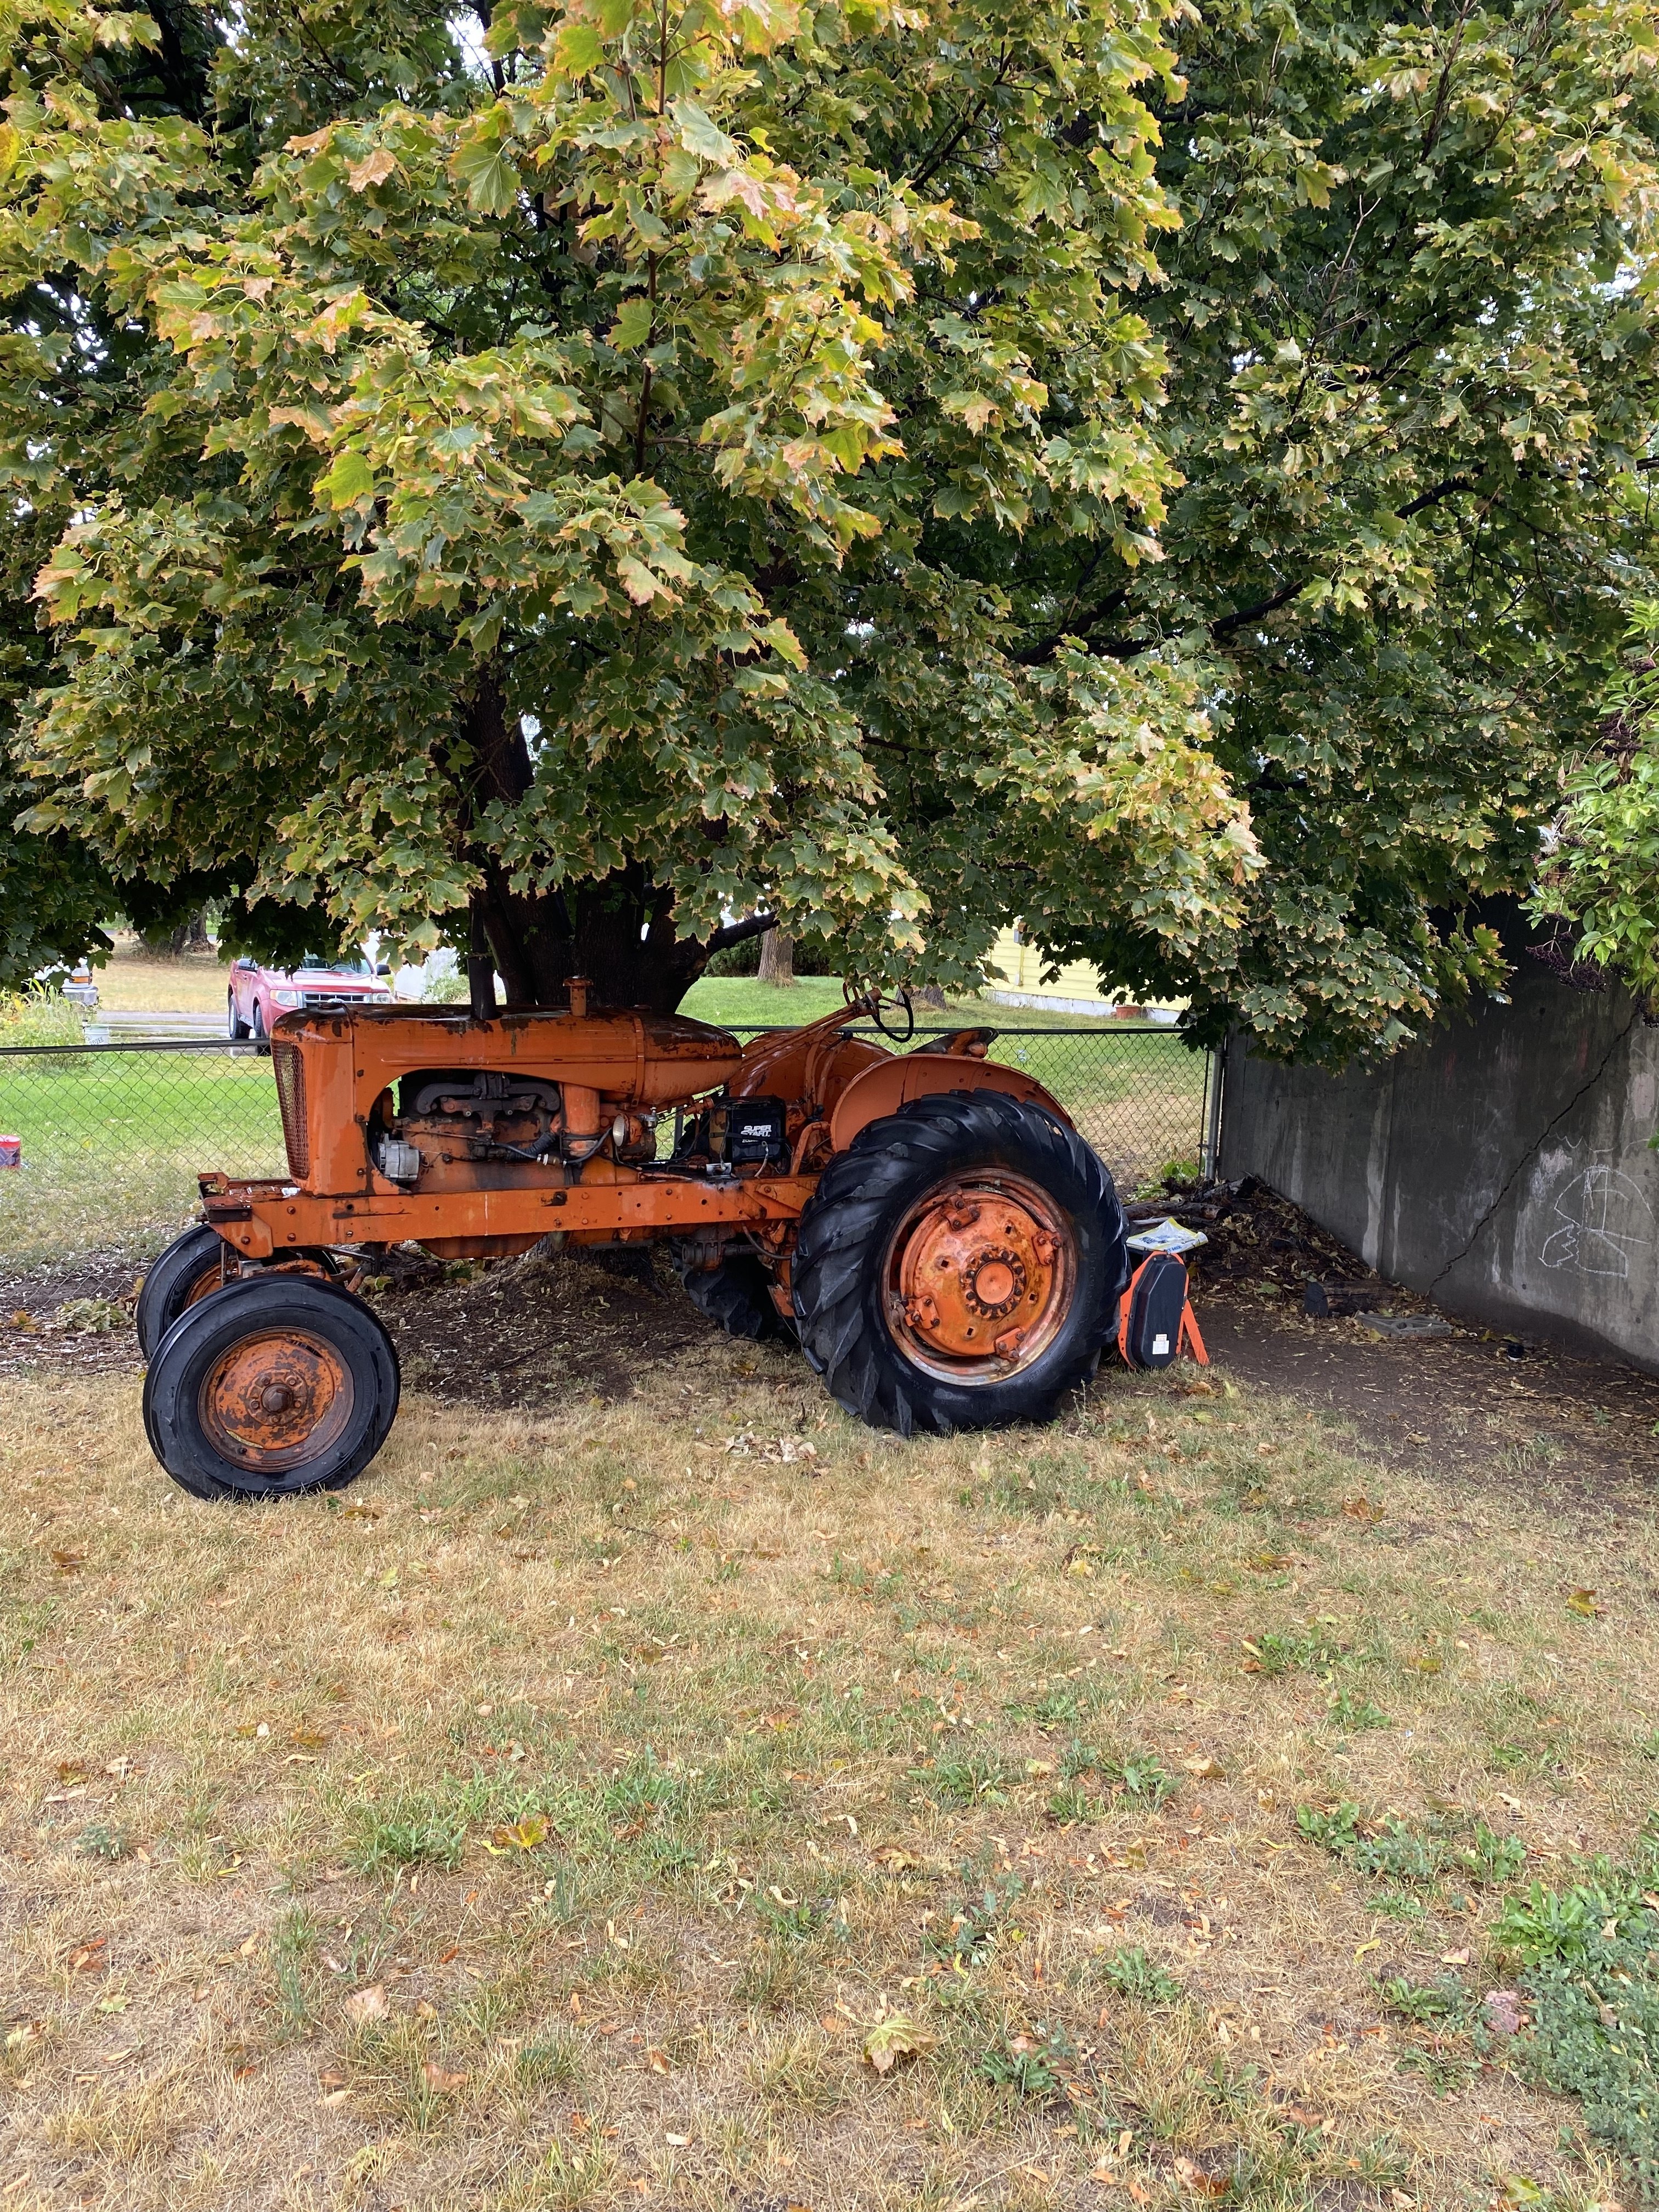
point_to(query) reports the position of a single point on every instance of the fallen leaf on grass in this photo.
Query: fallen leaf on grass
(1360, 1508)
(68, 1562)
(1201, 2183)
(657, 2062)
(367, 2004)
(1503, 2012)
(85, 1957)
(436, 2077)
(308, 1738)
(898, 2037)
(25, 1322)
(1204, 1767)
(893, 1857)
(524, 1835)
(1581, 1601)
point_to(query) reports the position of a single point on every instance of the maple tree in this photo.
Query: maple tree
(653, 468)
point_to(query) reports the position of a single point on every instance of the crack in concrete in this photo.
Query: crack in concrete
(1531, 1152)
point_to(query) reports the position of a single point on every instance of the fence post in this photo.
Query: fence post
(1215, 1073)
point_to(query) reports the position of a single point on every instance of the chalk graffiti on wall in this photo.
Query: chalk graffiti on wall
(1604, 1218)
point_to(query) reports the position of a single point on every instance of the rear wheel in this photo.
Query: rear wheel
(281, 1385)
(960, 1266)
(190, 1269)
(736, 1294)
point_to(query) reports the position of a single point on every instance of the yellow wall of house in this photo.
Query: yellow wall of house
(1016, 967)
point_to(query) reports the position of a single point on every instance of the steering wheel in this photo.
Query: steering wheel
(899, 1036)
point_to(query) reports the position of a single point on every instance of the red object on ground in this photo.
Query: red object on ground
(11, 1151)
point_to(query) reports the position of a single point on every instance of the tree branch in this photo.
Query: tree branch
(735, 933)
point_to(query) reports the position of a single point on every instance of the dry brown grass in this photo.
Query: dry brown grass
(546, 1822)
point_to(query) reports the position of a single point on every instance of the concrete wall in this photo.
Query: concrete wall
(1502, 1166)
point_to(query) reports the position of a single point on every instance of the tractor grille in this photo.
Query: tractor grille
(289, 1071)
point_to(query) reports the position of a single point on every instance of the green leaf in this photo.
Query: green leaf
(632, 327)
(578, 50)
(492, 182)
(349, 481)
(701, 136)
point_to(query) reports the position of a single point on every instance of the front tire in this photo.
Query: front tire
(191, 1269)
(278, 1385)
(235, 1028)
(959, 1265)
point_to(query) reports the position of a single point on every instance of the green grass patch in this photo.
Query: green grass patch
(113, 1142)
(1589, 1956)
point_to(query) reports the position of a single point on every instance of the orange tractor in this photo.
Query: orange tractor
(947, 1249)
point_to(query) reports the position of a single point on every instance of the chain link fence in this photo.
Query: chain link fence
(111, 1137)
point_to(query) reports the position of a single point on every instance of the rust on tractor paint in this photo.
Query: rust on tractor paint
(979, 1276)
(276, 1399)
(895, 1080)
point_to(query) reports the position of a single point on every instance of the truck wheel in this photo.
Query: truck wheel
(735, 1295)
(191, 1269)
(282, 1383)
(960, 1265)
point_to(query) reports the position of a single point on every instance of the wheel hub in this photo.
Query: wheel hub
(276, 1400)
(979, 1277)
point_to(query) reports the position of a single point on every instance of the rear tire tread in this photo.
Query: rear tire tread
(859, 1198)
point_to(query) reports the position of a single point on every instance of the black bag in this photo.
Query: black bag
(1149, 1332)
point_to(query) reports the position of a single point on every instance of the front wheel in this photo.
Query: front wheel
(192, 1269)
(278, 1385)
(235, 1027)
(960, 1266)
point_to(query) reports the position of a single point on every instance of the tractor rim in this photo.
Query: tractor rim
(203, 1286)
(978, 1278)
(275, 1401)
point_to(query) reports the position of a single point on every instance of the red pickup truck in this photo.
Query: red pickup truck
(257, 995)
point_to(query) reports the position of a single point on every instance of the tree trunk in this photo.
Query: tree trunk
(617, 931)
(777, 961)
(190, 937)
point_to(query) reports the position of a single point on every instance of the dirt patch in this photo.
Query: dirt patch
(539, 1331)
(76, 1314)
(1546, 1422)
(1519, 1413)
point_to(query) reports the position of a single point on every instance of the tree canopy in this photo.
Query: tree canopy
(1602, 873)
(895, 468)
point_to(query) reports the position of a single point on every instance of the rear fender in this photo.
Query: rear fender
(894, 1082)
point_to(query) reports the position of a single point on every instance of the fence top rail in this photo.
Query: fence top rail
(248, 1048)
